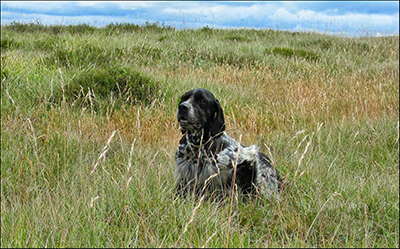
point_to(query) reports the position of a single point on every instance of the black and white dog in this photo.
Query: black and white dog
(209, 161)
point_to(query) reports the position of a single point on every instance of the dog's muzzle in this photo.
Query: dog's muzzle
(186, 125)
(184, 119)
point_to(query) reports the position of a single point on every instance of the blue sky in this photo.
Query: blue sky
(347, 18)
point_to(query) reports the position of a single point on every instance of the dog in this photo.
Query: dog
(209, 162)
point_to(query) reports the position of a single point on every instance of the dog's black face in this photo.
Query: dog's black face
(199, 110)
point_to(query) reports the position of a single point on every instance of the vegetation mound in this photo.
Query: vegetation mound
(115, 85)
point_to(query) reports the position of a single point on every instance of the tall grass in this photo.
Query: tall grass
(94, 167)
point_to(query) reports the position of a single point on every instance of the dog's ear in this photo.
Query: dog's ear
(218, 124)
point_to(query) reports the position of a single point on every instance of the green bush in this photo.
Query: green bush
(31, 27)
(104, 86)
(9, 43)
(112, 28)
(206, 30)
(321, 43)
(236, 38)
(299, 53)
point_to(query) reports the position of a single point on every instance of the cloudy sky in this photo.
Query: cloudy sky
(356, 18)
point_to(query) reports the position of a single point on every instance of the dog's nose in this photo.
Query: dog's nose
(182, 107)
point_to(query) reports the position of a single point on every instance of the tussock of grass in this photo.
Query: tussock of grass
(236, 38)
(113, 86)
(291, 53)
(88, 136)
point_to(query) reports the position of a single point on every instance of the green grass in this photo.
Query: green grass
(88, 136)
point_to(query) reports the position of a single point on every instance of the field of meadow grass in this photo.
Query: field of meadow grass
(88, 136)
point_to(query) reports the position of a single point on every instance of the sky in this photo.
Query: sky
(344, 18)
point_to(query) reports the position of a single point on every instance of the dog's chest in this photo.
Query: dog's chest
(191, 156)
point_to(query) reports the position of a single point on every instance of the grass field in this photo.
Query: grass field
(88, 136)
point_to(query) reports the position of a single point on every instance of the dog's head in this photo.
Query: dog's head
(198, 109)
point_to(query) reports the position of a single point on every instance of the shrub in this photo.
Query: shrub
(9, 43)
(323, 44)
(206, 30)
(123, 27)
(288, 52)
(31, 27)
(76, 29)
(104, 86)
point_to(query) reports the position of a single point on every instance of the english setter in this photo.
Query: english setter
(209, 161)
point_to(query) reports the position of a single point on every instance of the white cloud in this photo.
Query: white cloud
(223, 11)
(311, 16)
(35, 6)
(127, 5)
(282, 14)
(285, 15)
(55, 20)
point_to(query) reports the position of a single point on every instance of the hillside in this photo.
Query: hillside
(88, 136)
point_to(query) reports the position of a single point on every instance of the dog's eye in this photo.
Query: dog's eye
(200, 100)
